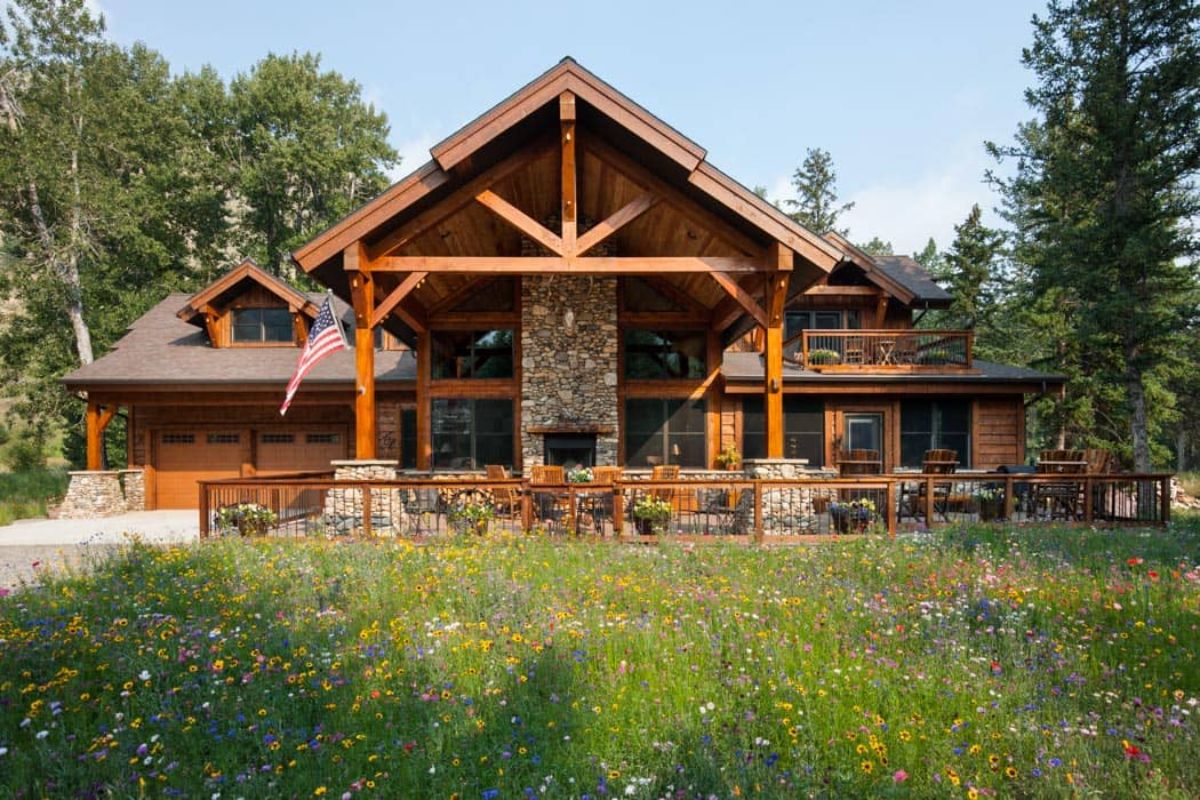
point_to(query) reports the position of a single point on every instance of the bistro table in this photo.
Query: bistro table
(887, 351)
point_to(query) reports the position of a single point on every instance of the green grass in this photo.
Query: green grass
(982, 661)
(24, 495)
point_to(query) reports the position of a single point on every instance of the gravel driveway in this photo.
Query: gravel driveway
(32, 545)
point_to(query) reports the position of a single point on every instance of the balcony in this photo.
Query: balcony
(882, 350)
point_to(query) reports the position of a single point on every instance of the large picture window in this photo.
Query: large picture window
(934, 425)
(665, 432)
(470, 434)
(262, 325)
(664, 355)
(472, 354)
(803, 429)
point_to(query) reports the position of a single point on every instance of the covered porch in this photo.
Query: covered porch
(561, 258)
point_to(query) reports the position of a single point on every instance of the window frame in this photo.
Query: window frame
(936, 430)
(698, 406)
(472, 432)
(474, 335)
(262, 341)
(817, 408)
(668, 336)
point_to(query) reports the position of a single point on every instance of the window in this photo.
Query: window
(665, 432)
(473, 354)
(322, 438)
(278, 438)
(179, 438)
(933, 425)
(224, 438)
(658, 355)
(469, 434)
(262, 325)
(803, 429)
(796, 321)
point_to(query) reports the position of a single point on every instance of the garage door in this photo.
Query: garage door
(298, 451)
(184, 457)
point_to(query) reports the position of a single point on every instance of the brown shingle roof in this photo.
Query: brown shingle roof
(160, 348)
(911, 275)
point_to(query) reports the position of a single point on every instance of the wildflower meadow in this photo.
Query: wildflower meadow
(981, 662)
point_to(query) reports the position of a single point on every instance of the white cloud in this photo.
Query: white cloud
(413, 153)
(908, 213)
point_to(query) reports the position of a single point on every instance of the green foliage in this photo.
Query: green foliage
(245, 519)
(970, 267)
(27, 452)
(877, 247)
(1102, 199)
(472, 516)
(25, 495)
(816, 203)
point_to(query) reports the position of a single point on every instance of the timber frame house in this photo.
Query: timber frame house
(567, 271)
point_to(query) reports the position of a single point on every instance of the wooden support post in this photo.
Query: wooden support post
(929, 503)
(97, 421)
(203, 509)
(618, 511)
(526, 508)
(891, 509)
(759, 533)
(779, 260)
(1009, 500)
(1164, 497)
(570, 206)
(365, 488)
(1087, 500)
(363, 293)
(424, 409)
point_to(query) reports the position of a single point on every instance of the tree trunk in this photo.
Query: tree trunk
(1137, 419)
(67, 271)
(1181, 446)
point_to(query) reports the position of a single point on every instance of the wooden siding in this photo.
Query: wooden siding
(998, 432)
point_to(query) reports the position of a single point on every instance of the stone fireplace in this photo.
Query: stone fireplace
(569, 342)
(570, 449)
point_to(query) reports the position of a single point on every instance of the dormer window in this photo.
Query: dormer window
(258, 325)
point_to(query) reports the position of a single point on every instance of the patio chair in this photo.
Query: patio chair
(505, 499)
(859, 462)
(913, 500)
(551, 505)
(1061, 498)
(599, 506)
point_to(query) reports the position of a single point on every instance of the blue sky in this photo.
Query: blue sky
(902, 94)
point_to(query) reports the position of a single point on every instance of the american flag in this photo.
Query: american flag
(324, 337)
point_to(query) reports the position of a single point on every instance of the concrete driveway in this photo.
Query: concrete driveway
(38, 544)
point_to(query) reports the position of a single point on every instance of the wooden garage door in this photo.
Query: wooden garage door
(183, 457)
(298, 451)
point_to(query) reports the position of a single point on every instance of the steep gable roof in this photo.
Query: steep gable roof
(454, 155)
(193, 310)
(900, 276)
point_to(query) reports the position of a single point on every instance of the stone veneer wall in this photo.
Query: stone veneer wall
(568, 377)
(343, 507)
(133, 482)
(788, 511)
(93, 494)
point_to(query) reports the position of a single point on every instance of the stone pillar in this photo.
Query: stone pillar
(785, 511)
(133, 481)
(93, 493)
(569, 342)
(344, 510)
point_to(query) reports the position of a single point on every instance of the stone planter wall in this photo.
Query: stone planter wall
(133, 483)
(568, 371)
(344, 508)
(789, 511)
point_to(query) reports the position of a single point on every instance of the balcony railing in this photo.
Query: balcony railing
(882, 350)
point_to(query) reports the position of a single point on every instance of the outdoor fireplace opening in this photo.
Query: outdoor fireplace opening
(570, 449)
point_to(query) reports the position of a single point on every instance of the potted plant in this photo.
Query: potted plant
(245, 519)
(990, 502)
(822, 356)
(729, 458)
(472, 516)
(853, 516)
(651, 514)
(580, 475)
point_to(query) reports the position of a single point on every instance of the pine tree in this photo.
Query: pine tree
(970, 265)
(877, 247)
(1102, 194)
(816, 202)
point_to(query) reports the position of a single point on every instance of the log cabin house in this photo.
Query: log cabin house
(567, 279)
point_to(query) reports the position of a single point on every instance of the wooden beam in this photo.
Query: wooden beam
(777, 286)
(614, 222)
(881, 310)
(362, 293)
(743, 298)
(671, 196)
(399, 293)
(469, 287)
(675, 294)
(521, 221)
(457, 200)
(729, 310)
(424, 422)
(570, 204)
(580, 265)
(841, 291)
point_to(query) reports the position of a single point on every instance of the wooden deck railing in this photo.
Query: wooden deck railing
(882, 350)
(763, 511)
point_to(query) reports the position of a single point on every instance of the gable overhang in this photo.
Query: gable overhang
(199, 304)
(485, 140)
(863, 261)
